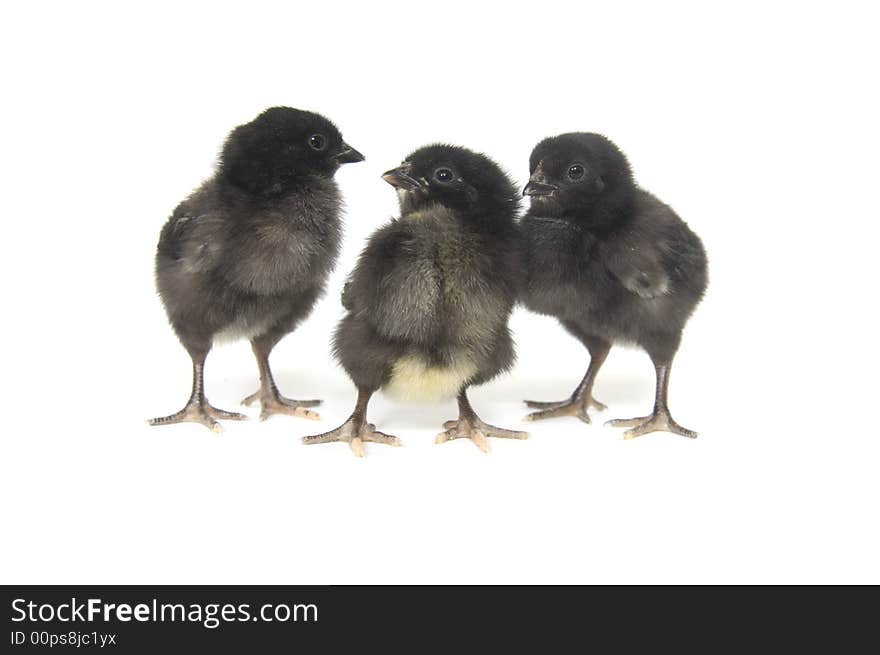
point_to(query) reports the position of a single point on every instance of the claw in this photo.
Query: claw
(227, 416)
(273, 403)
(200, 412)
(575, 409)
(626, 422)
(561, 404)
(480, 441)
(657, 422)
(381, 437)
(542, 404)
(355, 437)
(477, 431)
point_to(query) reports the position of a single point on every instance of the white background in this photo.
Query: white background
(756, 122)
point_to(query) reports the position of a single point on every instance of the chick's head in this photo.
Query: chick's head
(280, 147)
(453, 177)
(575, 171)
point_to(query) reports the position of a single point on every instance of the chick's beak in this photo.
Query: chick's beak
(539, 184)
(535, 188)
(348, 155)
(400, 178)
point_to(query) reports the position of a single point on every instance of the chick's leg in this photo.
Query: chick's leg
(271, 401)
(355, 431)
(197, 409)
(581, 399)
(470, 426)
(660, 419)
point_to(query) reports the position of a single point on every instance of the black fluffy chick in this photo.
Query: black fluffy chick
(430, 297)
(611, 262)
(249, 252)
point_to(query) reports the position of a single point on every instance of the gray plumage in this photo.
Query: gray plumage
(429, 300)
(249, 252)
(225, 264)
(611, 262)
(431, 285)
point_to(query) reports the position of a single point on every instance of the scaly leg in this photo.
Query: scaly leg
(660, 419)
(470, 426)
(355, 431)
(197, 409)
(271, 401)
(582, 398)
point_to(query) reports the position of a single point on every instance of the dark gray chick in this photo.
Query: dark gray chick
(611, 262)
(248, 253)
(430, 297)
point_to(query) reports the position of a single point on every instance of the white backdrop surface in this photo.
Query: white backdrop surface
(755, 121)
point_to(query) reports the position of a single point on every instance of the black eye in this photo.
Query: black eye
(575, 171)
(443, 174)
(317, 142)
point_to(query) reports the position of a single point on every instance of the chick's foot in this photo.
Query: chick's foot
(660, 421)
(477, 431)
(274, 403)
(354, 433)
(571, 407)
(200, 412)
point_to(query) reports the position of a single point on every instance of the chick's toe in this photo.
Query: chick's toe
(657, 422)
(274, 403)
(202, 413)
(355, 433)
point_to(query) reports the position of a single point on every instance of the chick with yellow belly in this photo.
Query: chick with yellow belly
(429, 300)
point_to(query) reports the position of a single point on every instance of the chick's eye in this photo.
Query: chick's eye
(443, 174)
(317, 142)
(575, 171)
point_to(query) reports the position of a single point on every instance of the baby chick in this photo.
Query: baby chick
(430, 297)
(248, 253)
(611, 262)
